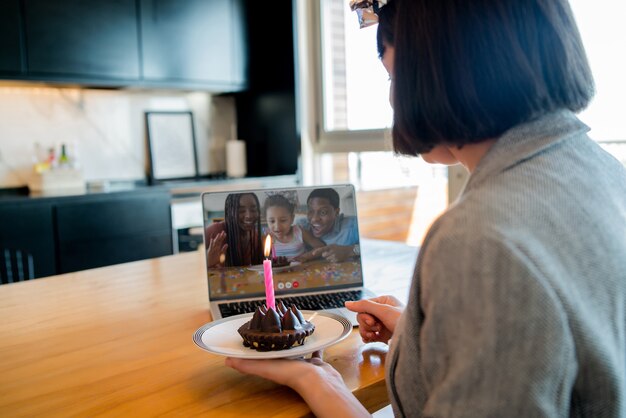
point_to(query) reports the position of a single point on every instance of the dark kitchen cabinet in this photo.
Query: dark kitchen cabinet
(28, 227)
(190, 44)
(66, 234)
(112, 230)
(10, 40)
(266, 111)
(193, 42)
(90, 41)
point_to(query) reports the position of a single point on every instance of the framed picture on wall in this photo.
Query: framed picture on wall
(171, 146)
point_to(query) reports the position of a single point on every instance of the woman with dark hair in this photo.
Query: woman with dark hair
(517, 305)
(236, 241)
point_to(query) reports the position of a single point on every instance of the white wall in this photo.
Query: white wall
(106, 127)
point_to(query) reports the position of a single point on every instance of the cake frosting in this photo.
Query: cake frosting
(272, 330)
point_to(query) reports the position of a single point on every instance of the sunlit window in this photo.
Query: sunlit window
(356, 86)
(601, 25)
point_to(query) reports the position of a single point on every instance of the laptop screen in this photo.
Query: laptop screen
(313, 232)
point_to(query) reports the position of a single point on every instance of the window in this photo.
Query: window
(355, 86)
(355, 93)
(604, 36)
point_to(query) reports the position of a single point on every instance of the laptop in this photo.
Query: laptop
(314, 248)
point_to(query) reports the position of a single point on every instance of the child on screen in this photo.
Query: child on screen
(289, 240)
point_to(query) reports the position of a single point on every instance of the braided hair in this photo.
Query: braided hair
(236, 254)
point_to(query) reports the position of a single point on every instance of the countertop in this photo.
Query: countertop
(180, 190)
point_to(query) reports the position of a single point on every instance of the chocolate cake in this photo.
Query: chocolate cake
(272, 330)
(280, 261)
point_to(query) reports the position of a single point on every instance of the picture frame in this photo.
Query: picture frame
(172, 149)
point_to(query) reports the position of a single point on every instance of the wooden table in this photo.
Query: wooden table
(116, 341)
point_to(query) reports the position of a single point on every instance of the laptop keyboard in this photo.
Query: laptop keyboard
(309, 302)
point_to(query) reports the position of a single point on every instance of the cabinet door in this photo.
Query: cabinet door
(29, 229)
(113, 230)
(194, 41)
(10, 49)
(77, 38)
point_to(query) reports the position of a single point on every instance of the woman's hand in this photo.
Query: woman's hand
(216, 251)
(297, 374)
(377, 317)
(317, 382)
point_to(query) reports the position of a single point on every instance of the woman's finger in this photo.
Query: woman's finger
(366, 318)
(316, 358)
(388, 300)
(386, 314)
(363, 328)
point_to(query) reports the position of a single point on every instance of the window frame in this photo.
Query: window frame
(311, 82)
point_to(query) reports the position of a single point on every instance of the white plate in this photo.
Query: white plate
(221, 336)
(259, 267)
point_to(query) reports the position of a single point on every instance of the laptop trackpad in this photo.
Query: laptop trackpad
(351, 316)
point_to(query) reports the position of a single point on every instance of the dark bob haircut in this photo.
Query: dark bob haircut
(466, 71)
(327, 193)
(385, 31)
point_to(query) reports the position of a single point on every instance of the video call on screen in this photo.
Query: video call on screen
(313, 231)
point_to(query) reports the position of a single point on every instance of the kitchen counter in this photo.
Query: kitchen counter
(23, 194)
(185, 189)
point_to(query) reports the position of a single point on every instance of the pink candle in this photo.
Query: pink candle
(267, 272)
(269, 284)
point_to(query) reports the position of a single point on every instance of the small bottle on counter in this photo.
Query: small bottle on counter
(64, 160)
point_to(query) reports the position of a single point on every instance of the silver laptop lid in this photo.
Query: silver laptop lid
(314, 233)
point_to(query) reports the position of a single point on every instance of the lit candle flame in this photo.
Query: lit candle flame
(268, 246)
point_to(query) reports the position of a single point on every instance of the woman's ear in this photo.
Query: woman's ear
(440, 155)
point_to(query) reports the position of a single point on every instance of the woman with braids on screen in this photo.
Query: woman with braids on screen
(237, 240)
(517, 306)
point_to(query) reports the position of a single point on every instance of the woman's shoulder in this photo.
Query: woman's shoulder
(464, 230)
(462, 218)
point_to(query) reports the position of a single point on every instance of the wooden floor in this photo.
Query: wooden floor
(386, 214)
(402, 214)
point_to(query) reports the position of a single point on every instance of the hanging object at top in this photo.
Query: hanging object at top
(367, 11)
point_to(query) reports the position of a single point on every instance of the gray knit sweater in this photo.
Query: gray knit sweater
(518, 302)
